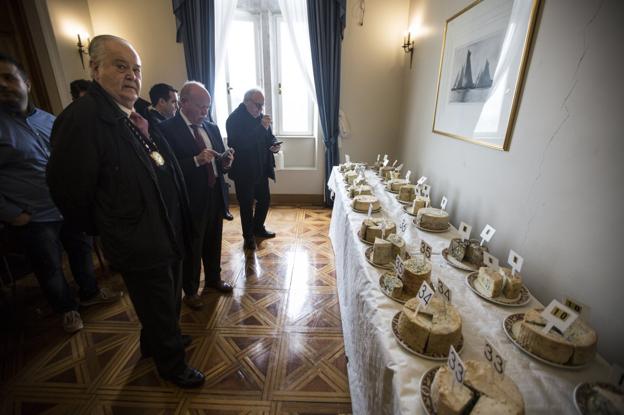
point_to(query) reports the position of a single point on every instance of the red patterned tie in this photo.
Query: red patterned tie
(201, 145)
(140, 123)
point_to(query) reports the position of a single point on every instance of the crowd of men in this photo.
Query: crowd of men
(147, 179)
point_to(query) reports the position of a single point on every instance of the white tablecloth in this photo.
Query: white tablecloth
(383, 378)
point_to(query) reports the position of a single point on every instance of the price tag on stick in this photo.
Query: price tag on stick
(515, 261)
(464, 230)
(383, 229)
(494, 357)
(443, 203)
(385, 162)
(456, 365)
(378, 156)
(487, 233)
(425, 294)
(407, 175)
(578, 307)
(395, 162)
(444, 291)
(490, 261)
(370, 210)
(559, 316)
(421, 181)
(399, 167)
(425, 248)
(426, 191)
(347, 158)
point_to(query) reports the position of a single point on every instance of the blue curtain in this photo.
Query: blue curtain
(326, 21)
(195, 28)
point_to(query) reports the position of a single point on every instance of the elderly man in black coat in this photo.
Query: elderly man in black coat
(249, 133)
(115, 176)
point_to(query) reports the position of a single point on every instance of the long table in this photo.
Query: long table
(383, 377)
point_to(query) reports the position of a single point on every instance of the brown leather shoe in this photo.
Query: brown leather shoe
(193, 301)
(220, 286)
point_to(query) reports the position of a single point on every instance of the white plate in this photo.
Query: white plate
(388, 294)
(425, 390)
(516, 318)
(523, 298)
(408, 348)
(389, 265)
(431, 230)
(465, 266)
(403, 202)
(405, 209)
(583, 392)
(366, 211)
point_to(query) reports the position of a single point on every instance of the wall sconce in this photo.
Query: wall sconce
(82, 50)
(408, 47)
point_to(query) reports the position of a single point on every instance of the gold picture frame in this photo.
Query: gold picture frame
(482, 68)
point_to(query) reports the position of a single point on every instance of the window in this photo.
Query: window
(259, 53)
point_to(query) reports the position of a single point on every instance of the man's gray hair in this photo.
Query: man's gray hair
(97, 49)
(252, 92)
(187, 89)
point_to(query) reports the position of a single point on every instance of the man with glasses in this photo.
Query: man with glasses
(249, 133)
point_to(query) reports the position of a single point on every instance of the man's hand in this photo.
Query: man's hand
(206, 156)
(21, 219)
(228, 158)
(266, 122)
(275, 148)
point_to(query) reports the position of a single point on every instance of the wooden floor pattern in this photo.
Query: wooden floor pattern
(273, 347)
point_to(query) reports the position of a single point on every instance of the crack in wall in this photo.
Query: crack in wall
(564, 106)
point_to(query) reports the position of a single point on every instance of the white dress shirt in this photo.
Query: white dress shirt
(204, 135)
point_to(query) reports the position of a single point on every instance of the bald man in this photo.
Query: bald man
(115, 175)
(204, 160)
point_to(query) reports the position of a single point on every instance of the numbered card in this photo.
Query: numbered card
(487, 233)
(385, 162)
(403, 224)
(370, 210)
(490, 261)
(426, 190)
(456, 365)
(579, 308)
(407, 175)
(421, 181)
(617, 375)
(515, 261)
(347, 158)
(425, 294)
(385, 157)
(383, 227)
(443, 203)
(395, 162)
(559, 316)
(425, 248)
(494, 357)
(398, 265)
(444, 291)
(378, 157)
(464, 230)
(399, 167)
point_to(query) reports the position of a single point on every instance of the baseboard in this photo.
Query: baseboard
(290, 200)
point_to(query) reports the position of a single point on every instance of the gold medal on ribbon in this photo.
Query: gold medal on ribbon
(158, 159)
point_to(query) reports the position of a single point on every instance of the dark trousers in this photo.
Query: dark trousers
(156, 295)
(206, 244)
(246, 193)
(43, 244)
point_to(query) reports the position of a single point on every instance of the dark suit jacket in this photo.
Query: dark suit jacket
(181, 140)
(103, 180)
(253, 160)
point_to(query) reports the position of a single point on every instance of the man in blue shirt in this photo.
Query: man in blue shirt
(26, 206)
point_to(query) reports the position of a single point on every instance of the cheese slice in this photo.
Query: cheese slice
(415, 271)
(457, 248)
(489, 282)
(398, 245)
(395, 184)
(474, 253)
(449, 399)
(418, 203)
(371, 228)
(407, 192)
(393, 286)
(382, 252)
(511, 284)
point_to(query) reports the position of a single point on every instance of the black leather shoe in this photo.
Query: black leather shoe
(263, 233)
(221, 286)
(186, 342)
(249, 244)
(188, 378)
(228, 216)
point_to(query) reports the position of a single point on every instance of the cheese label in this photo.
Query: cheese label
(378, 157)
(464, 230)
(617, 375)
(578, 307)
(494, 357)
(398, 265)
(456, 365)
(407, 175)
(370, 210)
(347, 158)
(382, 226)
(443, 203)
(487, 233)
(515, 261)
(490, 261)
(559, 316)
(425, 294)
(426, 190)
(399, 167)
(385, 158)
(403, 224)
(422, 180)
(395, 162)
(385, 162)
(425, 248)
(443, 290)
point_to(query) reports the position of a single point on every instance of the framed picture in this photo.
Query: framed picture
(482, 68)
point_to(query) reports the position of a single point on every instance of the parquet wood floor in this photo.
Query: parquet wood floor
(272, 347)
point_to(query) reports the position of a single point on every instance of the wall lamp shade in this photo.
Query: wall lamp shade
(408, 46)
(82, 50)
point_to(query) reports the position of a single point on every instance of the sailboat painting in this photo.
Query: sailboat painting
(473, 68)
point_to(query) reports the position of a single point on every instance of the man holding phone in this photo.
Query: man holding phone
(249, 133)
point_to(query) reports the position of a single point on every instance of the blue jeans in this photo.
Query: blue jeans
(43, 244)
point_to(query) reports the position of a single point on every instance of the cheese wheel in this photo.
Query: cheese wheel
(432, 218)
(382, 252)
(489, 282)
(371, 228)
(395, 184)
(362, 202)
(512, 283)
(407, 192)
(419, 202)
(398, 245)
(415, 271)
(362, 189)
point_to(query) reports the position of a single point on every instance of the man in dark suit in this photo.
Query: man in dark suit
(114, 175)
(249, 133)
(164, 102)
(201, 153)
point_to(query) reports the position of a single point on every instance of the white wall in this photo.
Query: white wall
(555, 197)
(372, 77)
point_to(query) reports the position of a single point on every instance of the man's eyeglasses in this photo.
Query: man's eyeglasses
(258, 105)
